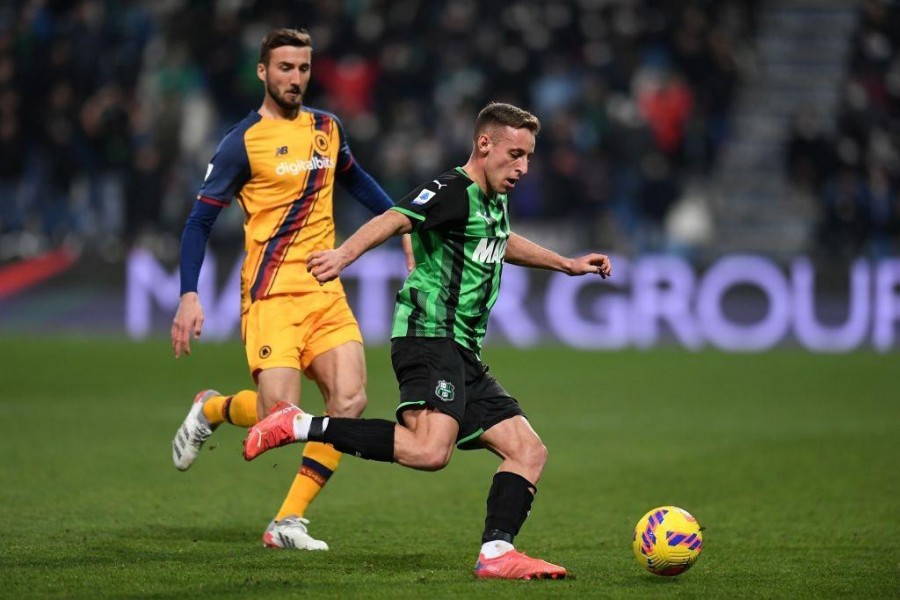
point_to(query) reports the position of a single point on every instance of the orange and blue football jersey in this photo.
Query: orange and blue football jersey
(282, 173)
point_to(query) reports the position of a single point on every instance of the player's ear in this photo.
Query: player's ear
(483, 143)
(261, 71)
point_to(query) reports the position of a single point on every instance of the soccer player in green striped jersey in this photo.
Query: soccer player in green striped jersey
(461, 237)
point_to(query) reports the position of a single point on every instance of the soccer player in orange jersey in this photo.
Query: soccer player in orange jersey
(280, 163)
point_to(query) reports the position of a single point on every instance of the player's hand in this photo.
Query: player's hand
(326, 265)
(188, 320)
(406, 241)
(597, 264)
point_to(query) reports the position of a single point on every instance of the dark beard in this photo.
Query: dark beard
(282, 102)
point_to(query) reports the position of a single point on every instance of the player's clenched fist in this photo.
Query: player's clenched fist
(326, 265)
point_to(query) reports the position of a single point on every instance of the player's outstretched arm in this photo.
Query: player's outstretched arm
(188, 320)
(371, 195)
(525, 253)
(326, 265)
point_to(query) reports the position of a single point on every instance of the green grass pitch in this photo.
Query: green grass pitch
(788, 459)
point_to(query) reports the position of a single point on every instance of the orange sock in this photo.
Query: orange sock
(319, 462)
(239, 409)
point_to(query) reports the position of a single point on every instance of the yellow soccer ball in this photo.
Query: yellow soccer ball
(667, 541)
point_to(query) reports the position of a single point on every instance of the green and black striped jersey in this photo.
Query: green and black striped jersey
(459, 238)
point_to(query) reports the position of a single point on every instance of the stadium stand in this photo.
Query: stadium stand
(692, 127)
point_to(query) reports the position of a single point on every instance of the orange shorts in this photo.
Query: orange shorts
(290, 330)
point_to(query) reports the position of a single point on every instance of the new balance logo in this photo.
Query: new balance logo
(281, 151)
(489, 251)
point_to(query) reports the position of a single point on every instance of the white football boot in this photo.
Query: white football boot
(194, 431)
(291, 532)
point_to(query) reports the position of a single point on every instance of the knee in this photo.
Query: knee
(434, 458)
(543, 453)
(534, 456)
(433, 461)
(349, 405)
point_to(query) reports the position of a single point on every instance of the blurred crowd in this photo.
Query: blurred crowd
(109, 111)
(853, 169)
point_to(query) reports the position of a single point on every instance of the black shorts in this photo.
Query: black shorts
(440, 374)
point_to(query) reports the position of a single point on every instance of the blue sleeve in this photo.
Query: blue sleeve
(365, 189)
(229, 168)
(193, 242)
